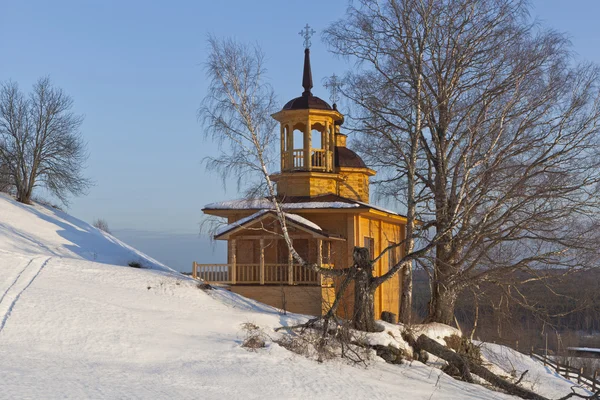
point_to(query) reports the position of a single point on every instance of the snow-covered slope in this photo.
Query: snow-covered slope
(44, 230)
(76, 323)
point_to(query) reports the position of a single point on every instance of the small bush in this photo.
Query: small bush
(101, 224)
(204, 286)
(255, 337)
(464, 347)
(135, 264)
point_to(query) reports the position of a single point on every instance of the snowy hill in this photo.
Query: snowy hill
(76, 322)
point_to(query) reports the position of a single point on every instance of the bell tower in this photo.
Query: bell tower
(311, 143)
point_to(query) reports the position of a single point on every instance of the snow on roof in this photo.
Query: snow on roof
(377, 207)
(302, 220)
(249, 204)
(240, 222)
(293, 217)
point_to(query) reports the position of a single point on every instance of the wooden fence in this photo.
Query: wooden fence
(570, 372)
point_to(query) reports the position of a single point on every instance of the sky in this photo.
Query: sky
(135, 71)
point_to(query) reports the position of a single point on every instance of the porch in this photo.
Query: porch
(258, 274)
(257, 253)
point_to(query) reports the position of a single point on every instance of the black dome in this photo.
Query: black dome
(344, 157)
(307, 102)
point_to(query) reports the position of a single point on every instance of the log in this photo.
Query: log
(433, 347)
(466, 367)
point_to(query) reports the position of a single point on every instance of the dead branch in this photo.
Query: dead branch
(466, 366)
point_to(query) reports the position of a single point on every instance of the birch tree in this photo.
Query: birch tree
(505, 127)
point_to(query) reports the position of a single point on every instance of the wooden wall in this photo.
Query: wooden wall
(299, 299)
(354, 228)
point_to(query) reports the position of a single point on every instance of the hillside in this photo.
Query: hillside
(76, 322)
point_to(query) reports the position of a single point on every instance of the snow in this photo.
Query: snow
(239, 222)
(76, 323)
(40, 230)
(242, 221)
(543, 380)
(262, 203)
(302, 220)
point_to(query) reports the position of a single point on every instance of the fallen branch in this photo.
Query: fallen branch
(466, 366)
(521, 378)
(594, 396)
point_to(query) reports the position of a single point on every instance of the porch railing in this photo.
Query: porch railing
(293, 274)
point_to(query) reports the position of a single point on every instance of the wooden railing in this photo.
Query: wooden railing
(287, 274)
(318, 159)
(570, 372)
(298, 158)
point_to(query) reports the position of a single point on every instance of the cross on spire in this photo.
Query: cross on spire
(333, 84)
(307, 33)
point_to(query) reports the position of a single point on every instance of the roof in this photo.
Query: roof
(326, 201)
(291, 219)
(307, 102)
(344, 157)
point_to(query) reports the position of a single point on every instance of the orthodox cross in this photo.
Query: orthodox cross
(333, 84)
(307, 33)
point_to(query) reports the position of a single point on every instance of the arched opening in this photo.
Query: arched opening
(317, 151)
(298, 147)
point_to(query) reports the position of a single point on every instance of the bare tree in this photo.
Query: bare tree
(506, 128)
(40, 141)
(236, 113)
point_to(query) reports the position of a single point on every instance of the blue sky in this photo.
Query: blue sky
(134, 69)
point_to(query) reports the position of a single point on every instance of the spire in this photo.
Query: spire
(307, 82)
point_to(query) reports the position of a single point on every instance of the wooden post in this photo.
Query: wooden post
(283, 138)
(579, 375)
(262, 261)
(194, 270)
(594, 387)
(307, 146)
(233, 277)
(567, 370)
(320, 252)
(517, 345)
(325, 146)
(290, 149)
(290, 268)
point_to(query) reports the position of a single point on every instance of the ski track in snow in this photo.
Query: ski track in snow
(32, 269)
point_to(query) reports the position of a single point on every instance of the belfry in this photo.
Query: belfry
(314, 156)
(323, 188)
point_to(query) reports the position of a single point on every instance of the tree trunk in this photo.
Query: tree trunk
(364, 293)
(442, 303)
(443, 290)
(24, 196)
(406, 295)
(433, 347)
